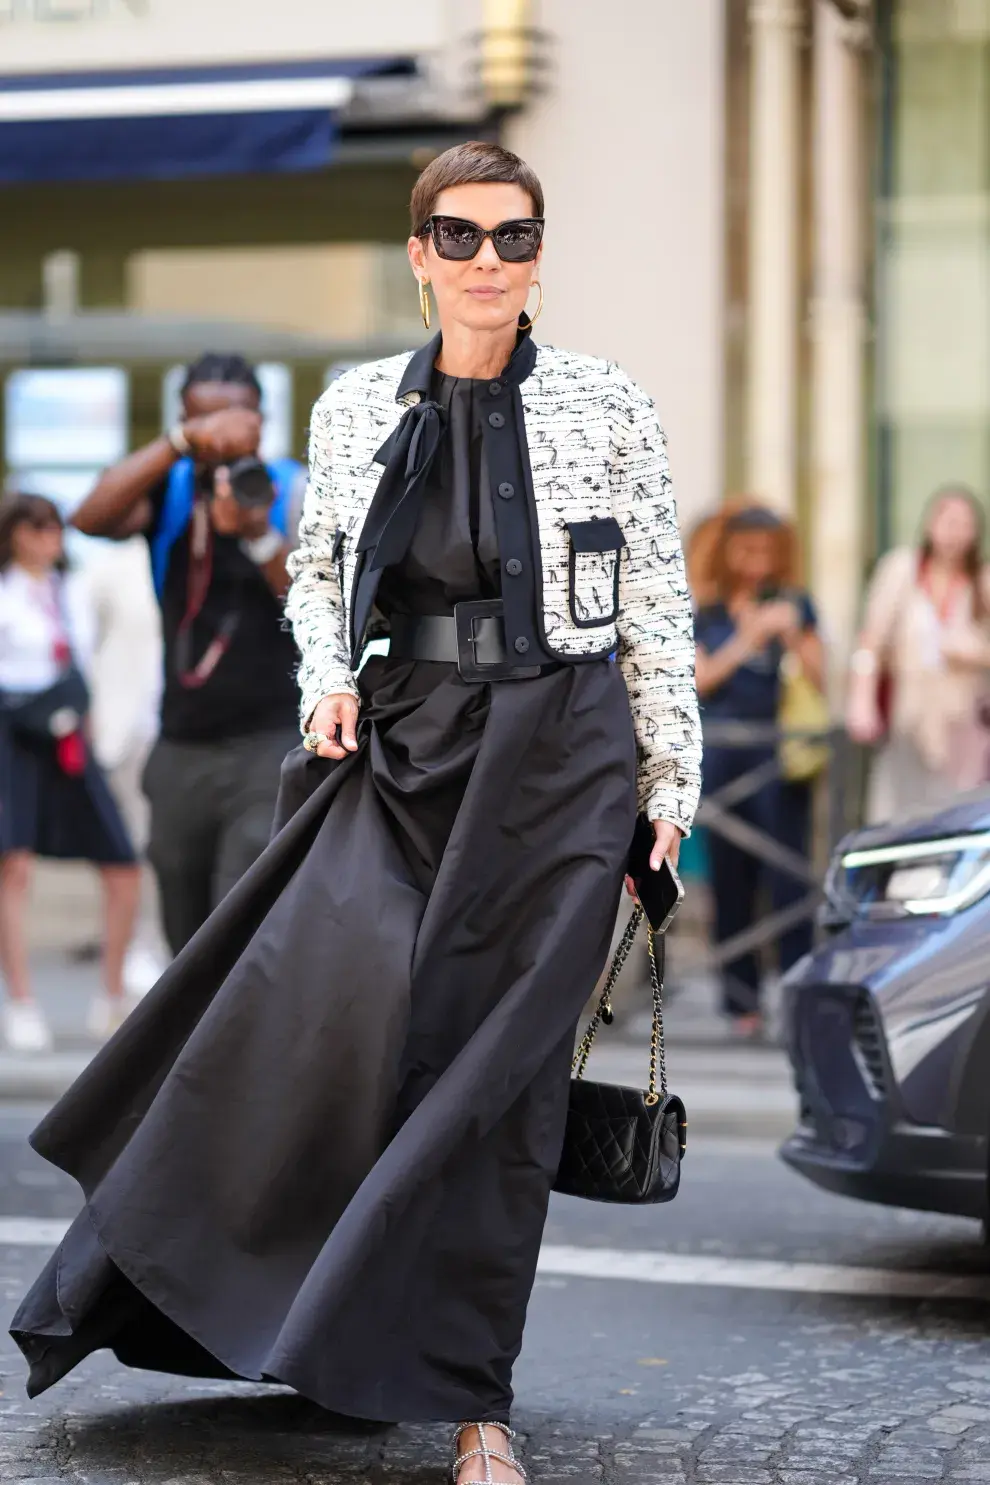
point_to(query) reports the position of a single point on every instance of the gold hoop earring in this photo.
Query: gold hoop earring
(539, 308)
(424, 302)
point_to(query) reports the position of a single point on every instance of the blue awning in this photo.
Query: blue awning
(167, 123)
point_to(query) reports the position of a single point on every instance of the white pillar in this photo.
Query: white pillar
(837, 326)
(60, 272)
(771, 418)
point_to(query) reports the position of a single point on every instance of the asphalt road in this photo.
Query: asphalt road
(755, 1332)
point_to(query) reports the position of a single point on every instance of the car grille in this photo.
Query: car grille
(868, 1047)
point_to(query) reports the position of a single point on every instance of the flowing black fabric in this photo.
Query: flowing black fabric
(320, 1152)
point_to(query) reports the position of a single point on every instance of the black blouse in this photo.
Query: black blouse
(453, 554)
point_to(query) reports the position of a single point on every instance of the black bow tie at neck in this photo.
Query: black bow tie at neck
(409, 453)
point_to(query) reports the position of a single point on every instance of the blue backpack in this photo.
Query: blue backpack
(177, 510)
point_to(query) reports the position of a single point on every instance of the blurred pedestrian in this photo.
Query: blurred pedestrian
(125, 688)
(757, 620)
(218, 525)
(920, 675)
(353, 1090)
(54, 801)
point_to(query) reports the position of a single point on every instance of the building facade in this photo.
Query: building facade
(304, 261)
(774, 213)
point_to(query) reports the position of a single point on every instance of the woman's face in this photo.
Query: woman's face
(953, 529)
(37, 544)
(751, 558)
(482, 293)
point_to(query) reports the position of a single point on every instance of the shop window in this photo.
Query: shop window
(61, 428)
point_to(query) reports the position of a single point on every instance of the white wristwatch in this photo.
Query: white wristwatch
(176, 436)
(261, 549)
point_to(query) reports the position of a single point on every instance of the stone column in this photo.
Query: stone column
(639, 129)
(838, 412)
(771, 408)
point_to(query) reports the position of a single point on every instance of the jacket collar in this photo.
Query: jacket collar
(415, 383)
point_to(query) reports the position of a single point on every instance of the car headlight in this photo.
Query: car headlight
(930, 876)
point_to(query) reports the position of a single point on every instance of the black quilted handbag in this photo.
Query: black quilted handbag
(624, 1144)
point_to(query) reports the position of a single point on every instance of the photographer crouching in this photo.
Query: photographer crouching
(219, 526)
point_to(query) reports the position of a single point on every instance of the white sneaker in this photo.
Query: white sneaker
(106, 1014)
(24, 1027)
(142, 971)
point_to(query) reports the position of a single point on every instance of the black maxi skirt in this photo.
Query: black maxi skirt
(320, 1151)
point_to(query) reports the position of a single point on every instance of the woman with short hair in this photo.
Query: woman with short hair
(342, 1179)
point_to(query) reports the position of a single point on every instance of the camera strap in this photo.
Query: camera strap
(198, 581)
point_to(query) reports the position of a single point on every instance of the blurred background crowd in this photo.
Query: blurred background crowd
(205, 222)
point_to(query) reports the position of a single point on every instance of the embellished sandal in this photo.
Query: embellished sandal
(484, 1452)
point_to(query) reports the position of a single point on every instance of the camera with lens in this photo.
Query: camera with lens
(250, 482)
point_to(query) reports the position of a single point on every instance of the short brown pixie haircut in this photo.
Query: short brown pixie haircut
(466, 165)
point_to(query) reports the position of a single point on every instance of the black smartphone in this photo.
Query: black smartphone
(660, 892)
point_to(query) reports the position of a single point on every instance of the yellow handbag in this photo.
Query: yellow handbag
(802, 709)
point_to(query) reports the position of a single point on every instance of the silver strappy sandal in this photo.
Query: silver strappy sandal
(484, 1452)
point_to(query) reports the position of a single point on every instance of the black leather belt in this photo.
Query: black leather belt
(472, 638)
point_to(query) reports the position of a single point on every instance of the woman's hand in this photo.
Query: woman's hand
(668, 843)
(792, 630)
(756, 625)
(759, 623)
(965, 648)
(339, 710)
(864, 723)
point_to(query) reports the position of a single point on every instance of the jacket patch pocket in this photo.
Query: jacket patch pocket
(593, 571)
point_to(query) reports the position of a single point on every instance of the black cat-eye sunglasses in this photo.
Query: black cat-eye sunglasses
(455, 237)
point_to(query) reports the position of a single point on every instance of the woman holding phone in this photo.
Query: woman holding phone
(755, 620)
(336, 1173)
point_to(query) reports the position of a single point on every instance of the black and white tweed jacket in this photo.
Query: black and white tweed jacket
(606, 575)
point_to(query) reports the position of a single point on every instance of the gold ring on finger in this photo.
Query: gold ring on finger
(313, 740)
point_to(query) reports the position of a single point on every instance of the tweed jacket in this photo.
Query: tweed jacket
(606, 574)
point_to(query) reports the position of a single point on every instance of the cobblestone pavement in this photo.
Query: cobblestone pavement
(844, 1410)
(620, 1383)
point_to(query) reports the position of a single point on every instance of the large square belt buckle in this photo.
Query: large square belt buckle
(479, 624)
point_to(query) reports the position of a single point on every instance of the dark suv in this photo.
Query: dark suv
(888, 1022)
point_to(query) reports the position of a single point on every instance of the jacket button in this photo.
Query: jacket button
(513, 567)
(521, 644)
(496, 420)
(494, 388)
(506, 490)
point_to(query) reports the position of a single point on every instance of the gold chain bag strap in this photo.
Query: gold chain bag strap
(624, 1144)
